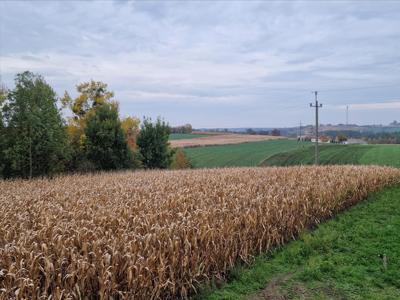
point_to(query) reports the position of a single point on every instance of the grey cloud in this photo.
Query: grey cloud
(256, 61)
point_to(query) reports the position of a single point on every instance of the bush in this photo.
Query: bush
(180, 160)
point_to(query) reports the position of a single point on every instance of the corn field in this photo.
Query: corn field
(159, 234)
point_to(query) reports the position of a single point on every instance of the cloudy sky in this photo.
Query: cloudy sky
(216, 63)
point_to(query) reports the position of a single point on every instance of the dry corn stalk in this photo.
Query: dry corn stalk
(157, 234)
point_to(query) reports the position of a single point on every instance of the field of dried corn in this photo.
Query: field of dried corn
(157, 235)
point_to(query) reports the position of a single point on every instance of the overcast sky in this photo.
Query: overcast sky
(217, 63)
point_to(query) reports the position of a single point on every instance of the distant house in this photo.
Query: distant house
(323, 139)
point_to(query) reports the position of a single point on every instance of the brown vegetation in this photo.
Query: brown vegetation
(180, 161)
(221, 139)
(156, 235)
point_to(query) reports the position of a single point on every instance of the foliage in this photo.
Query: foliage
(34, 135)
(369, 136)
(153, 144)
(91, 95)
(180, 160)
(185, 129)
(130, 126)
(342, 259)
(85, 235)
(105, 148)
(3, 97)
(341, 138)
(106, 145)
(275, 132)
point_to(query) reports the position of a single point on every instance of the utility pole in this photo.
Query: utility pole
(317, 106)
(347, 115)
(300, 132)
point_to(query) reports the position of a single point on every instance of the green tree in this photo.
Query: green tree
(34, 131)
(342, 138)
(153, 144)
(91, 96)
(3, 96)
(106, 144)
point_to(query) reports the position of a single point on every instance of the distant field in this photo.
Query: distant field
(249, 154)
(388, 155)
(185, 136)
(221, 139)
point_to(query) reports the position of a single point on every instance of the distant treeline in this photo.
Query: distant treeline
(187, 128)
(370, 137)
(274, 132)
(35, 139)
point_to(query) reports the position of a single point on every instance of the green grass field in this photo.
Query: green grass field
(339, 154)
(356, 255)
(185, 136)
(240, 155)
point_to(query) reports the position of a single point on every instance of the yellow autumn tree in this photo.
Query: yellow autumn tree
(91, 95)
(130, 125)
(180, 160)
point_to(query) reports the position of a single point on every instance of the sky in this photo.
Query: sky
(215, 63)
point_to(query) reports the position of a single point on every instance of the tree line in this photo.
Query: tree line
(187, 128)
(35, 139)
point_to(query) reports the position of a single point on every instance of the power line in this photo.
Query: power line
(317, 107)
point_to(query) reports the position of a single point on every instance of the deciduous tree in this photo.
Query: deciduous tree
(130, 126)
(34, 129)
(180, 160)
(153, 144)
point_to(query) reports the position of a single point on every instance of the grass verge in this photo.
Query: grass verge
(356, 255)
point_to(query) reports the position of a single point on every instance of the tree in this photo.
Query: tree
(341, 138)
(34, 131)
(250, 131)
(3, 97)
(180, 160)
(130, 126)
(153, 144)
(92, 95)
(106, 145)
(187, 128)
(275, 132)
